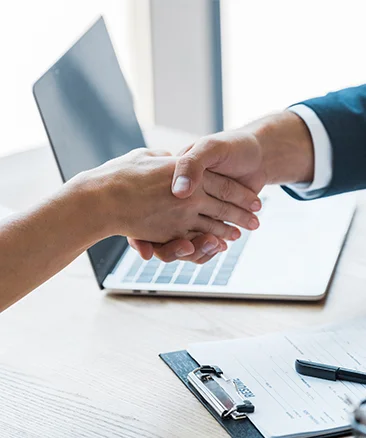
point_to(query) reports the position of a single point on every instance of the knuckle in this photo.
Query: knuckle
(191, 163)
(188, 160)
(245, 196)
(208, 142)
(223, 212)
(161, 152)
(215, 145)
(226, 189)
(141, 152)
(211, 142)
(211, 227)
(185, 150)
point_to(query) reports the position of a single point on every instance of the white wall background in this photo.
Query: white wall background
(33, 34)
(276, 53)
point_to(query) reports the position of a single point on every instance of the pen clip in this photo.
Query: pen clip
(312, 369)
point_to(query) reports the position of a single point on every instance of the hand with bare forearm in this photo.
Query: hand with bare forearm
(276, 149)
(128, 196)
(36, 244)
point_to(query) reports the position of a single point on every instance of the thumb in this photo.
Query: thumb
(145, 249)
(189, 168)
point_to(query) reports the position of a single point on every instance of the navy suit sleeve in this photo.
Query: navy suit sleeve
(343, 114)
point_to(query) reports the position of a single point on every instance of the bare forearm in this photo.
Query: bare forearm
(37, 244)
(288, 155)
(129, 196)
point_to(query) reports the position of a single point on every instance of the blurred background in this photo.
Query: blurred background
(193, 65)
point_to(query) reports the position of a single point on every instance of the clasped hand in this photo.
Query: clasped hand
(139, 203)
(181, 207)
(210, 197)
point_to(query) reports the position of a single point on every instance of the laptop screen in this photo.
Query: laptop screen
(87, 109)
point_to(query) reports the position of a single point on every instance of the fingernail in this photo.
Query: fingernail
(235, 234)
(223, 248)
(256, 206)
(253, 224)
(182, 184)
(182, 252)
(209, 248)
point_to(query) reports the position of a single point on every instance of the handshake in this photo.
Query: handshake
(181, 207)
(189, 203)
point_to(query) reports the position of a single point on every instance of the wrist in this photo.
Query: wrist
(287, 148)
(84, 203)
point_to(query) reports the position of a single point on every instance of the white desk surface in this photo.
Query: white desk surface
(75, 362)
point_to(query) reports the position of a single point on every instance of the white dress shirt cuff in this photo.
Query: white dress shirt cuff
(322, 155)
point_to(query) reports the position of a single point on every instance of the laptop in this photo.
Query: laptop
(87, 110)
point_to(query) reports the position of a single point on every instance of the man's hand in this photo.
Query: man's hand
(275, 149)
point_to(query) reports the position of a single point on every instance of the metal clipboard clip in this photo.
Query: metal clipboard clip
(221, 393)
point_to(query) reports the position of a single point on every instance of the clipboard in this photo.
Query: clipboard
(238, 426)
(182, 364)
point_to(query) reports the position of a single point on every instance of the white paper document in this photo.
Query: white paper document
(288, 404)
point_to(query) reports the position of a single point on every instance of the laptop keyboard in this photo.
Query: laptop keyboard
(216, 272)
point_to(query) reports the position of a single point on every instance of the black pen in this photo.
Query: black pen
(328, 372)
